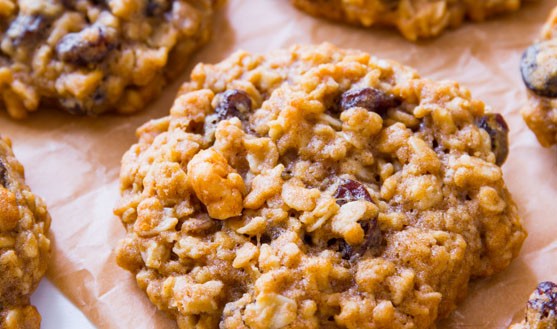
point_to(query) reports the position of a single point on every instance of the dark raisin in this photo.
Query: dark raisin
(26, 28)
(346, 250)
(340, 245)
(174, 257)
(331, 242)
(308, 239)
(391, 4)
(498, 130)
(99, 96)
(371, 99)
(156, 7)
(89, 46)
(3, 174)
(265, 238)
(70, 4)
(372, 239)
(544, 300)
(372, 243)
(350, 190)
(538, 70)
(233, 103)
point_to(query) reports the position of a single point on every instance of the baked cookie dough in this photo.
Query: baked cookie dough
(539, 73)
(24, 246)
(414, 18)
(316, 187)
(541, 309)
(89, 56)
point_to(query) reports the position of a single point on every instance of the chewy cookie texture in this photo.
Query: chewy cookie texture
(316, 187)
(414, 18)
(89, 57)
(24, 246)
(541, 309)
(539, 73)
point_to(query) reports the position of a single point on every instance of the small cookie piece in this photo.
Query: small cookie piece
(539, 73)
(414, 18)
(316, 187)
(88, 57)
(541, 310)
(24, 245)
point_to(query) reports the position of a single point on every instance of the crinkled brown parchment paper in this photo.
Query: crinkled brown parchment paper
(74, 162)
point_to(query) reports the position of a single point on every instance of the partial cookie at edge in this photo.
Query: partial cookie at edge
(24, 245)
(538, 67)
(415, 19)
(541, 309)
(89, 57)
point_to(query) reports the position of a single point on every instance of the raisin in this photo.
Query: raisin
(371, 99)
(99, 96)
(372, 243)
(3, 174)
(99, 2)
(89, 46)
(350, 190)
(346, 250)
(538, 68)
(372, 238)
(390, 4)
(26, 28)
(265, 239)
(156, 7)
(544, 299)
(70, 4)
(234, 103)
(498, 131)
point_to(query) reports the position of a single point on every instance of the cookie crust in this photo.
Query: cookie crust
(88, 57)
(414, 19)
(315, 187)
(24, 245)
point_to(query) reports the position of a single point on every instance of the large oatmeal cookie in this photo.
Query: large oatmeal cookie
(414, 18)
(539, 73)
(541, 309)
(88, 56)
(24, 246)
(316, 188)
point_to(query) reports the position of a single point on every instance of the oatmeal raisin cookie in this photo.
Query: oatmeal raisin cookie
(539, 73)
(316, 187)
(24, 246)
(541, 309)
(414, 18)
(92, 56)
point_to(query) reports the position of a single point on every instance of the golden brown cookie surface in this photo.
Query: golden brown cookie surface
(89, 57)
(24, 245)
(316, 187)
(414, 18)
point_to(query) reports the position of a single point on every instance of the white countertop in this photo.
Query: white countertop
(56, 310)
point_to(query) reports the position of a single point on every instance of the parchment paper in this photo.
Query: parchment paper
(74, 162)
